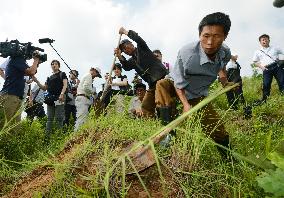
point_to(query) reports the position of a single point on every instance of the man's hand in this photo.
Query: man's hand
(2, 73)
(117, 52)
(139, 112)
(61, 98)
(234, 58)
(34, 79)
(186, 107)
(123, 31)
(263, 67)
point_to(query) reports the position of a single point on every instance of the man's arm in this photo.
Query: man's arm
(2, 73)
(183, 99)
(134, 36)
(32, 69)
(61, 97)
(87, 85)
(43, 87)
(126, 64)
(223, 77)
(256, 61)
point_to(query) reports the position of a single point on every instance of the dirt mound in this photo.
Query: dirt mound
(42, 177)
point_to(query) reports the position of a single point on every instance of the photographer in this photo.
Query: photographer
(56, 86)
(35, 103)
(12, 92)
(70, 108)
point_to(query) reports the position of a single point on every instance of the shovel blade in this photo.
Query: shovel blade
(142, 158)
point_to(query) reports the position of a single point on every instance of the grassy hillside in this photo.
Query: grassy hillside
(81, 164)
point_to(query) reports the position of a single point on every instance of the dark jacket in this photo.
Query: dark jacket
(149, 68)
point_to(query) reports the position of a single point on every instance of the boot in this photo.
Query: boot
(165, 115)
(224, 153)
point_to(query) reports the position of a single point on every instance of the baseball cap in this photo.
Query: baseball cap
(124, 41)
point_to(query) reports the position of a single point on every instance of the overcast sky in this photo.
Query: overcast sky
(86, 31)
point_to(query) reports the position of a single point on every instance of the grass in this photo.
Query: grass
(191, 167)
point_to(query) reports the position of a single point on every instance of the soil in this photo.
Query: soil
(40, 179)
(154, 184)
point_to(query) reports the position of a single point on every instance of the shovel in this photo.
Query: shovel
(99, 105)
(141, 153)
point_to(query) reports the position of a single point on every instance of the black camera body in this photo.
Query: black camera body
(14, 48)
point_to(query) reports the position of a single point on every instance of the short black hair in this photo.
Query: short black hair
(157, 51)
(263, 36)
(56, 62)
(217, 18)
(74, 72)
(122, 43)
(139, 85)
(118, 66)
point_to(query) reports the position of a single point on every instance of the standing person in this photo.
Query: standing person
(233, 69)
(119, 87)
(56, 86)
(197, 67)
(11, 95)
(158, 54)
(83, 98)
(143, 61)
(35, 106)
(70, 108)
(265, 58)
(135, 103)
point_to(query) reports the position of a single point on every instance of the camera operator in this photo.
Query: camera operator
(12, 92)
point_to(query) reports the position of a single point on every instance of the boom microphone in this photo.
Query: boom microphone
(45, 40)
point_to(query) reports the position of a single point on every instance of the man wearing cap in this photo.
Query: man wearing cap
(84, 93)
(143, 61)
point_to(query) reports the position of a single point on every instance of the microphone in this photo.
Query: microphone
(45, 40)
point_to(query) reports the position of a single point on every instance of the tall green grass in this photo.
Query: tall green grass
(192, 160)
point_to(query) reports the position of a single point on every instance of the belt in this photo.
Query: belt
(84, 95)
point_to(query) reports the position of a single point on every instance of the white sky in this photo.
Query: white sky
(86, 31)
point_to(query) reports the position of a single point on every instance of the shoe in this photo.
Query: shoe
(248, 112)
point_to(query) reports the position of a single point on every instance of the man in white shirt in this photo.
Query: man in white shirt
(265, 58)
(84, 93)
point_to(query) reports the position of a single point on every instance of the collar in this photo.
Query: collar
(204, 58)
(265, 48)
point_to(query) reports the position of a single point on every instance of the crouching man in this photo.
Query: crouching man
(197, 67)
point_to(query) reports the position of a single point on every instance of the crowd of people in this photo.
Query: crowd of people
(197, 66)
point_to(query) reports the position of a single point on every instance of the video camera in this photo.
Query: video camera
(14, 48)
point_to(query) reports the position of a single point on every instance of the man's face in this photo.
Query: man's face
(94, 73)
(140, 92)
(117, 71)
(54, 66)
(128, 48)
(211, 38)
(264, 42)
(72, 76)
(158, 56)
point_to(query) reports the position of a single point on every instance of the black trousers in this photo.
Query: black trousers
(272, 71)
(69, 110)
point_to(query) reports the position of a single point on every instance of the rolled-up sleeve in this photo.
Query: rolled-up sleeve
(178, 73)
